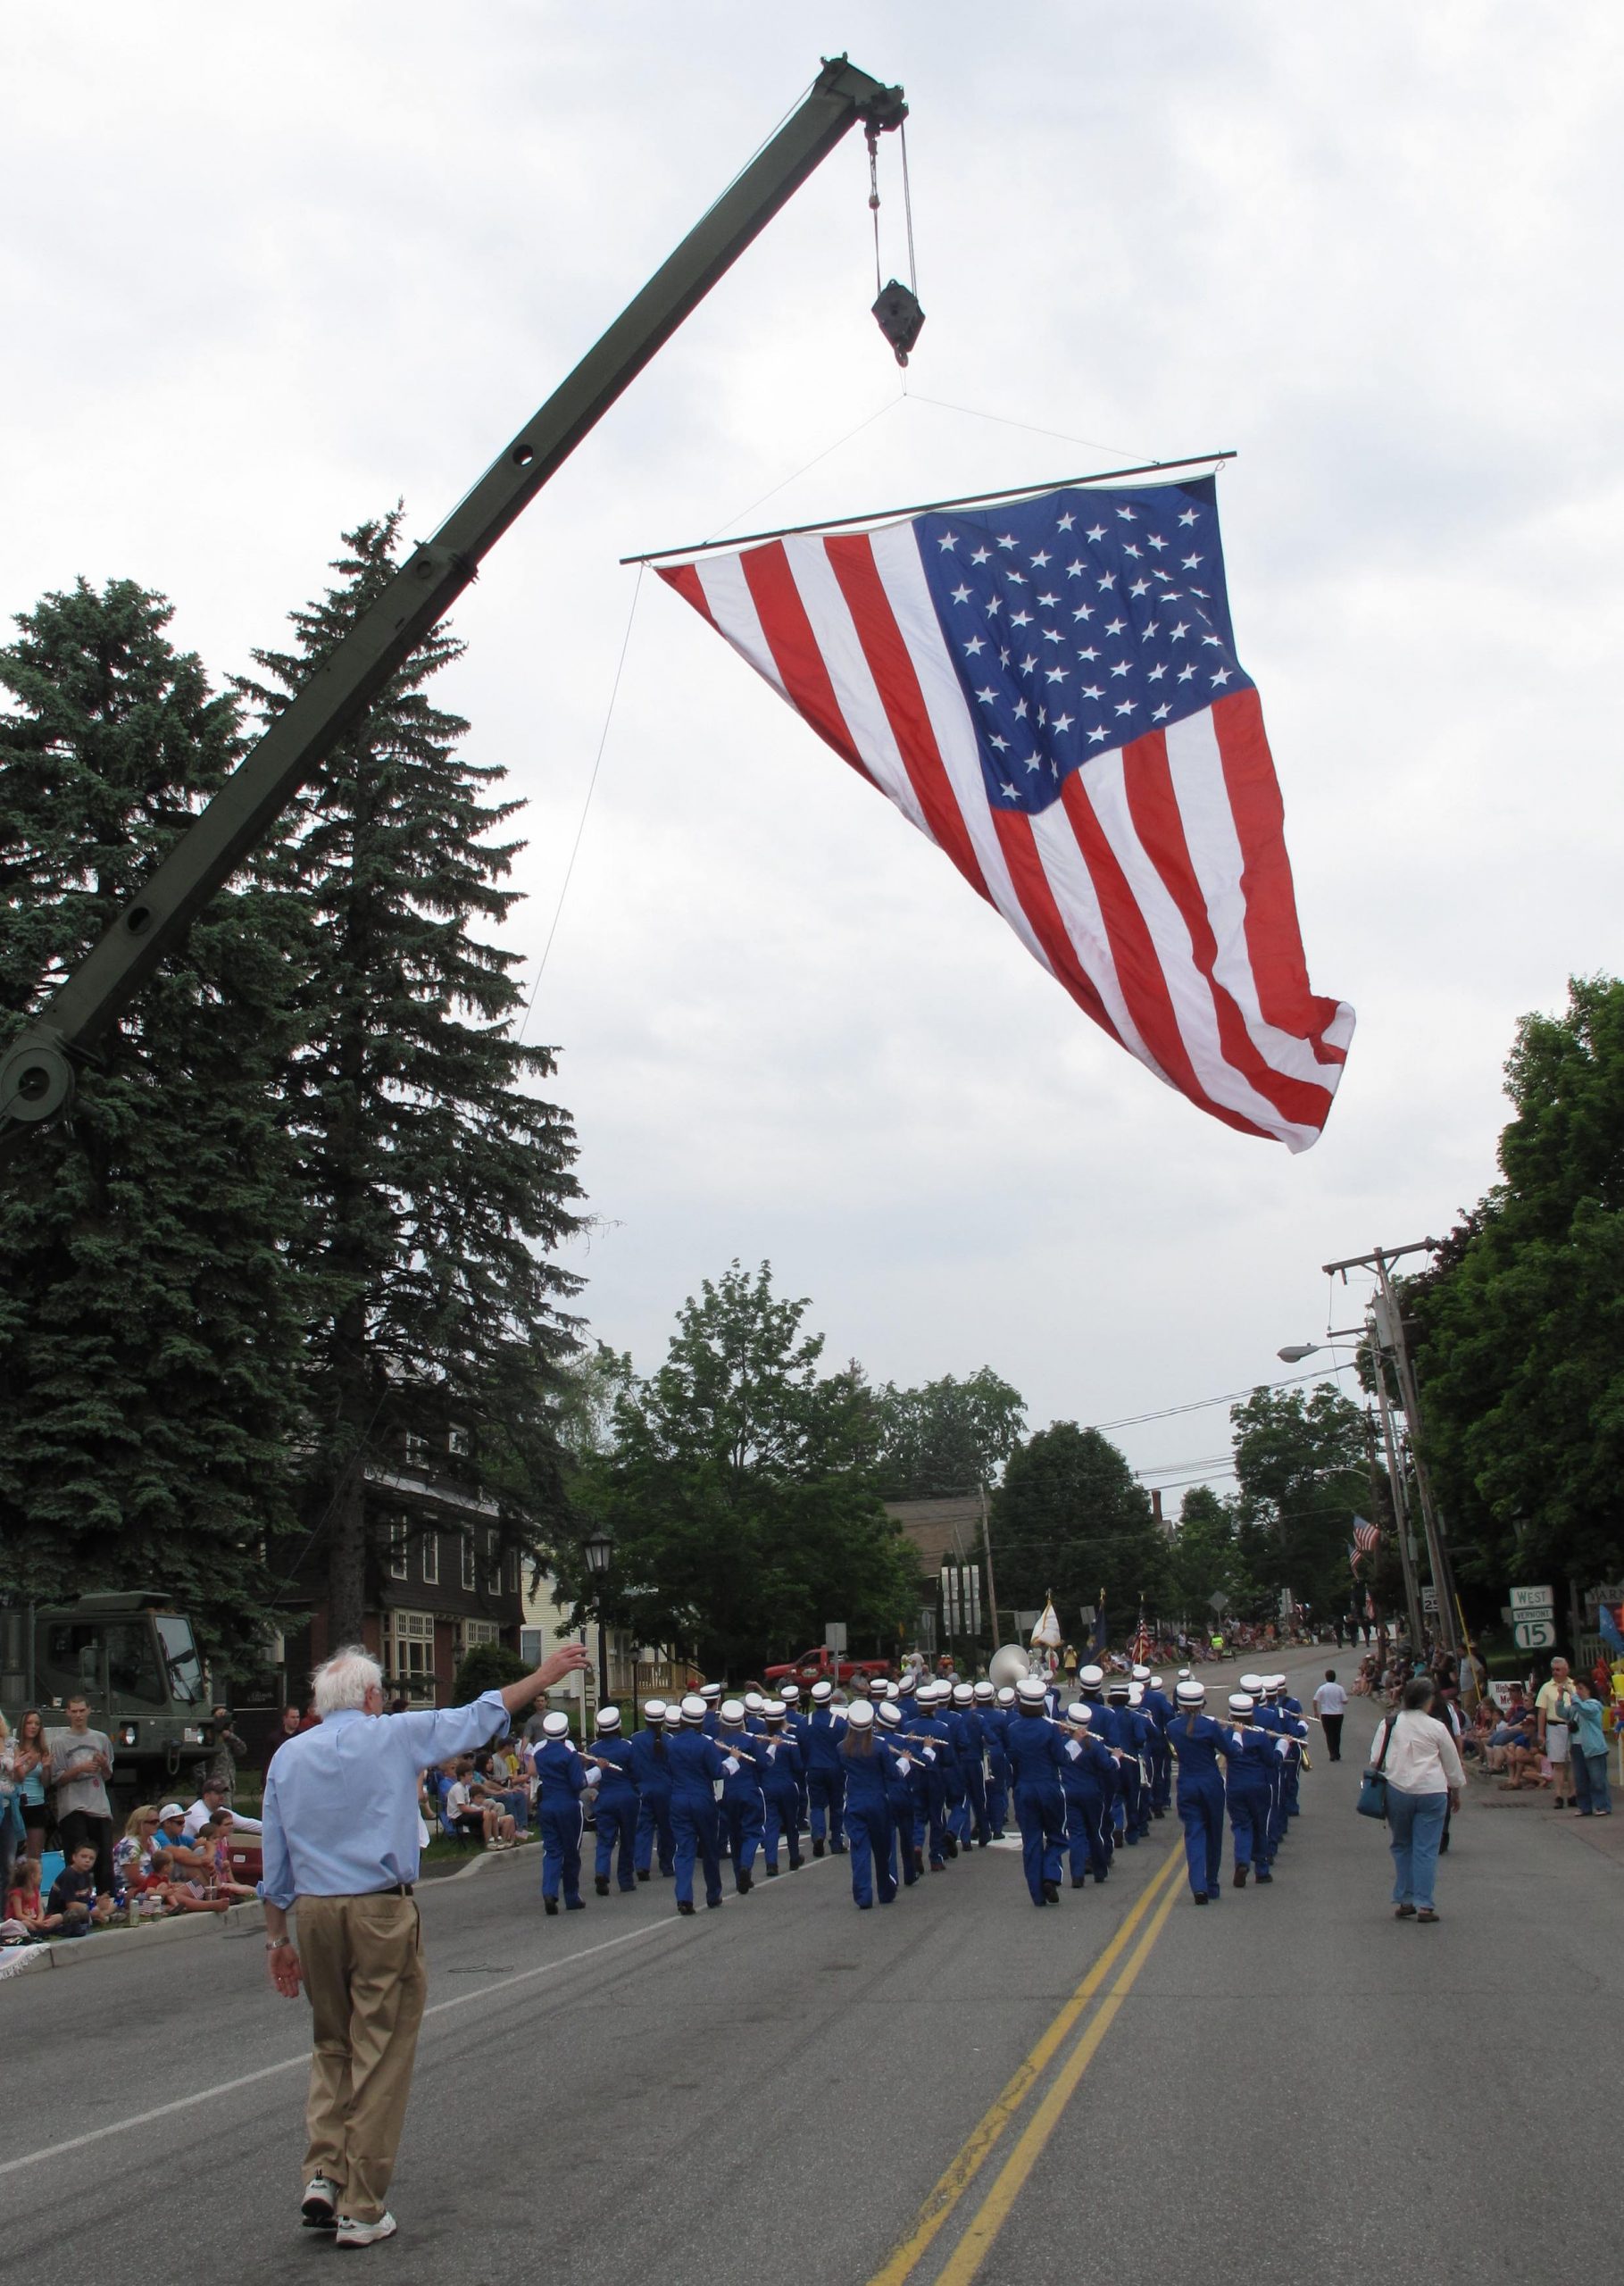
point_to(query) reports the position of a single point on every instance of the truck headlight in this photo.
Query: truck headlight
(192, 1738)
(127, 1734)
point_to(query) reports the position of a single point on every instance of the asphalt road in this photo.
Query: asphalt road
(1287, 2086)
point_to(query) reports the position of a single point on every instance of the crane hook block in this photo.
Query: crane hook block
(900, 318)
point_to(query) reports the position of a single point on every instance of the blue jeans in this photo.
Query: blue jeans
(1590, 1782)
(1415, 1827)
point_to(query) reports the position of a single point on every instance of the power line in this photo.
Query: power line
(1231, 1397)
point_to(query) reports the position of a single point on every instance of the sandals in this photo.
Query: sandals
(1426, 1913)
(1403, 1912)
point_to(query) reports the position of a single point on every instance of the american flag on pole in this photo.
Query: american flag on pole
(1367, 1539)
(1048, 689)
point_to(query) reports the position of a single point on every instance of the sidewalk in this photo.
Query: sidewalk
(1605, 1835)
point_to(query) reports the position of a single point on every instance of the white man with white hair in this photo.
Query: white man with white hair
(341, 1848)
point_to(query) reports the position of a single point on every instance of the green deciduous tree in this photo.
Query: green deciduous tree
(1517, 1332)
(948, 1436)
(1299, 1459)
(150, 1312)
(739, 1493)
(436, 1182)
(1205, 1559)
(1070, 1516)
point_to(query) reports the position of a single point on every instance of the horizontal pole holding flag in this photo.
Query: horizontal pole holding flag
(927, 507)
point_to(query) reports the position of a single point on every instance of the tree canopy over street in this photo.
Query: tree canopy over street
(1518, 1330)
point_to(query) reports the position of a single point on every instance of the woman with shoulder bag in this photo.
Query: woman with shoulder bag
(1417, 1758)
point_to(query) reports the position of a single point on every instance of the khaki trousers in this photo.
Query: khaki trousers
(362, 1958)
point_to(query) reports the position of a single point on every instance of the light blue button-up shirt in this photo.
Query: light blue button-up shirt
(340, 1811)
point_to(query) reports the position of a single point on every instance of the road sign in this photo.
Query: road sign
(1430, 1600)
(1534, 1634)
(1533, 1600)
(834, 1635)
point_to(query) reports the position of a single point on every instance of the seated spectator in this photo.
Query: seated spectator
(135, 1848)
(212, 1799)
(25, 1907)
(74, 1906)
(216, 1838)
(171, 1839)
(464, 1815)
(499, 1777)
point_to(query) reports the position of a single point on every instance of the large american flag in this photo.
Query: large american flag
(1048, 688)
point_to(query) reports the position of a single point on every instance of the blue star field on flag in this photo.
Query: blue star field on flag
(1079, 621)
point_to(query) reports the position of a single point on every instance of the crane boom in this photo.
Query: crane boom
(36, 1076)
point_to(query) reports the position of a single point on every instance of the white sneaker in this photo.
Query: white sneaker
(318, 2208)
(351, 2233)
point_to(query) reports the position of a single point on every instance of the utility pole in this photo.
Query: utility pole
(1401, 1512)
(1388, 1320)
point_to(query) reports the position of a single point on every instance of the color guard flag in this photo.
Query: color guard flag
(1049, 690)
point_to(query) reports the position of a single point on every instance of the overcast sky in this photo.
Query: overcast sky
(266, 270)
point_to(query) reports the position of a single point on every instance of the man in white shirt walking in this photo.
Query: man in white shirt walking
(1330, 1705)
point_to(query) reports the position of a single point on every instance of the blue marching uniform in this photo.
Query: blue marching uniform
(899, 1801)
(972, 1733)
(696, 1761)
(1275, 1719)
(780, 1776)
(1294, 1760)
(992, 1720)
(867, 1816)
(1088, 1780)
(930, 1798)
(1197, 1741)
(825, 1779)
(1159, 1708)
(743, 1813)
(1037, 1753)
(651, 1770)
(617, 1810)
(797, 1725)
(1253, 1760)
(563, 1779)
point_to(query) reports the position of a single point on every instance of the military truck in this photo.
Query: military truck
(133, 1657)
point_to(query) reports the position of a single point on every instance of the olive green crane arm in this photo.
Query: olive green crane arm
(36, 1076)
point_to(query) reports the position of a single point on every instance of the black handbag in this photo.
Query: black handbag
(1372, 1801)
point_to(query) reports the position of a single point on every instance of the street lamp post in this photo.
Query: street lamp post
(599, 1549)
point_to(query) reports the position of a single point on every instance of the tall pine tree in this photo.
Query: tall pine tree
(436, 1182)
(150, 1316)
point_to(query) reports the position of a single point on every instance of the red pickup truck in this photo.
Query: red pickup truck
(822, 1665)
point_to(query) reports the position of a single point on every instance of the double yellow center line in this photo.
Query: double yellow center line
(1160, 1897)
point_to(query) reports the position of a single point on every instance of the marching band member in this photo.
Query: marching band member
(866, 1760)
(696, 1764)
(1036, 1752)
(743, 1817)
(780, 1790)
(991, 1711)
(1197, 1741)
(562, 1777)
(1088, 1780)
(825, 1779)
(1248, 1785)
(617, 1803)
(651, 1772)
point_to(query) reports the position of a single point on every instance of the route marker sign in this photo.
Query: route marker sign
(1534, 1634)
(1532, 1600)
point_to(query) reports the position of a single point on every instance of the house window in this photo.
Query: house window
(469, 1569)
(396, 1551)
(459, 1444)
(512, 1571)
(431, 1559)
(493, 1565)
(531, 1647)
(475, 1631)
(409, 1652)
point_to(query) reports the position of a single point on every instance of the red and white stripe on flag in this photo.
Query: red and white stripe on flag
(1155, 884)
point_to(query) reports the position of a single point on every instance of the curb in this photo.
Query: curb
(103, 1944)
(237, 1920)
